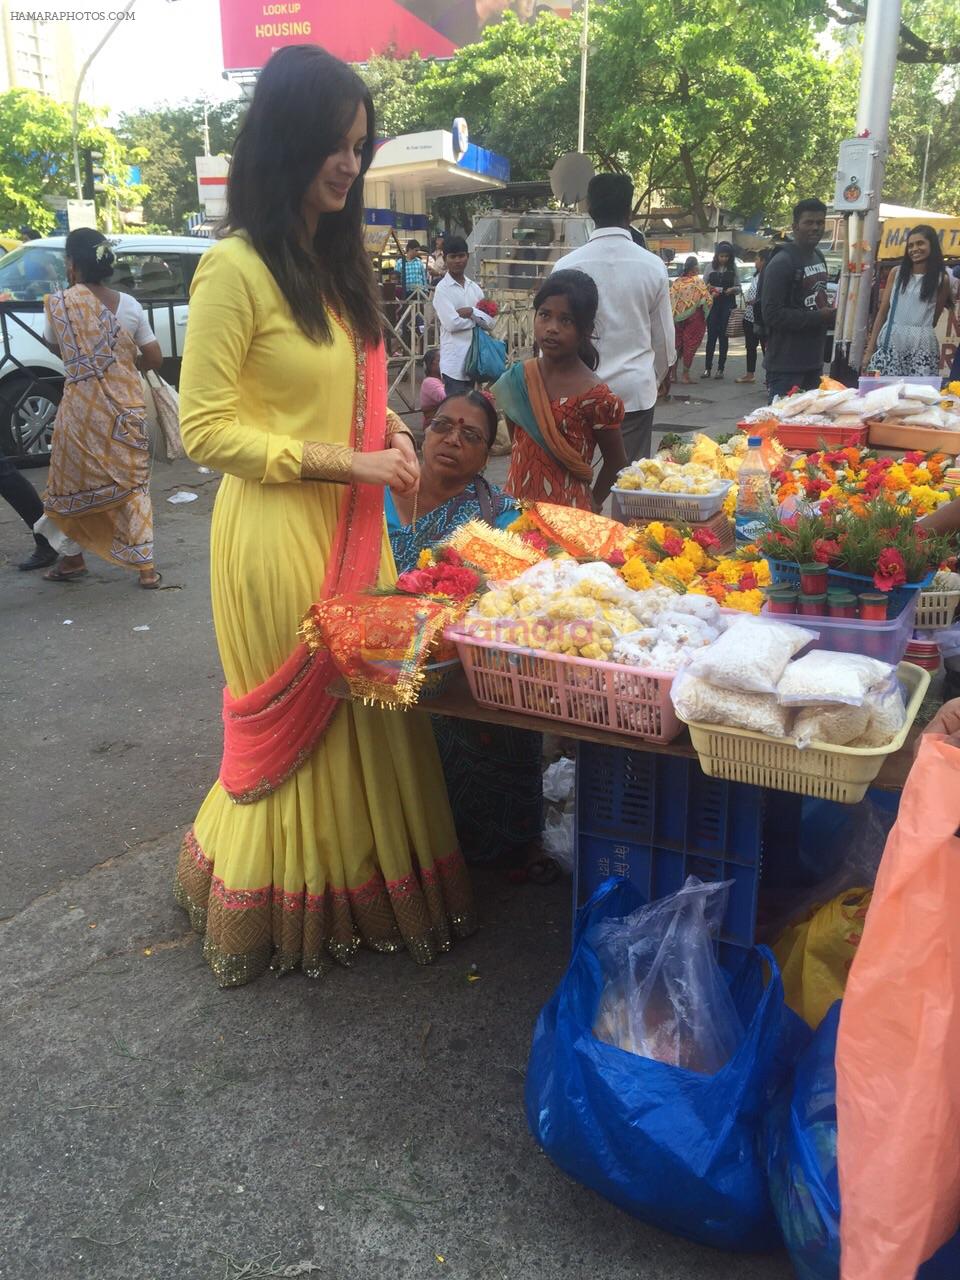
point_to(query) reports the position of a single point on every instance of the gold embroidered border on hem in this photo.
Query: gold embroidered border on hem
(247, 931)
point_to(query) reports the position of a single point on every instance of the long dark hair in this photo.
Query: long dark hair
(303, 105)
(580, 291)
(724, 247)
(935, 265)
(91, 254)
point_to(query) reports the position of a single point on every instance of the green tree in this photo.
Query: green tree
(168, 139)
(36, 159)
(929, 29)
(706, 107)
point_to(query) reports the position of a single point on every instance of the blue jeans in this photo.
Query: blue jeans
(456, 386)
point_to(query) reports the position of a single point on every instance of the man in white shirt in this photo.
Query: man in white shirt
(635, 332)
(455, 302)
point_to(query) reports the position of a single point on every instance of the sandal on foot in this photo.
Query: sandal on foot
(542, 871)
(151, 584)
(56, 574)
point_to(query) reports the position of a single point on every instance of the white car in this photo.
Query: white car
(157, 270)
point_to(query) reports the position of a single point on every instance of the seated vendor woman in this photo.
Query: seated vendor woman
(493, 774)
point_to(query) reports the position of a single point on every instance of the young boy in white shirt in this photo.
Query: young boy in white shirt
(455, 302)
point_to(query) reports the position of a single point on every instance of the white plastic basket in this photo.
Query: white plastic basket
(936, 610)
(645, 504)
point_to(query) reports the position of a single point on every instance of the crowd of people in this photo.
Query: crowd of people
(334, 824)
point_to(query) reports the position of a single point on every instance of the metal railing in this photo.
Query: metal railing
(30, 393)
(412, 329)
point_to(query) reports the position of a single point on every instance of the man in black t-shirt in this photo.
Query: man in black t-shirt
(796, 313)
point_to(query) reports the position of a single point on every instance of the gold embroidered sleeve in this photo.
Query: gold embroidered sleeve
(330, 462)
(397, 427)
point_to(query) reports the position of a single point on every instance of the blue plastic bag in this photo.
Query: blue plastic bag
(487, 358)
(801, 1138)
(673, 1147)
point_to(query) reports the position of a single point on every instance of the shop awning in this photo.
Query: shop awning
(427, 162)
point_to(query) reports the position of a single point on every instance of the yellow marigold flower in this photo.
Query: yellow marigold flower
(745, 601)
(425, 558)
(761, 571)
(922, 475)
(925, 499)
(636, 574)
(522, 524)
(730, 570)
(954, 388)
(730, 502)
(693, 552)
(656, 530)
(898, 476)
(675, 567)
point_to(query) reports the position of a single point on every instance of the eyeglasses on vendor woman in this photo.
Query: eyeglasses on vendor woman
(445, 426)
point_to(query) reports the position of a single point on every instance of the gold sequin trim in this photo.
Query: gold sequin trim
(247, 931)
(397, 427)
(331, 462)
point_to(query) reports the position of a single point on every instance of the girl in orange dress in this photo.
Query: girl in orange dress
(557, 410)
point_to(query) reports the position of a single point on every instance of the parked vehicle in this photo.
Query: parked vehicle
(157, 270)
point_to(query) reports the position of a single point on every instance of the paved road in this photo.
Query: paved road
(368, 1125)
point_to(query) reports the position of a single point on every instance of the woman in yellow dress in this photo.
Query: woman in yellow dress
(329, 827)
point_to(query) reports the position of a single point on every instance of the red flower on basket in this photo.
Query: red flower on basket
(890, 571)
(825, 550)
(488, 307)
(534, 538)
(706, 540)
(672, 543)
(439, 580)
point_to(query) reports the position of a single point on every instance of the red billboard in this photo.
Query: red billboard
(253, 29)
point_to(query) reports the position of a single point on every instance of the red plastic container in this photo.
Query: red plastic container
(812, 606)
(813, 579)
(874, 606)
(810, 438)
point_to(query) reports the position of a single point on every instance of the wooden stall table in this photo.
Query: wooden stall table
(457, 700)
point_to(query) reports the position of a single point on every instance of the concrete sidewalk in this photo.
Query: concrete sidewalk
(369, 1126)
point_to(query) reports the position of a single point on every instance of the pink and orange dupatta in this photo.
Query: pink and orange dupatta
(271, 731)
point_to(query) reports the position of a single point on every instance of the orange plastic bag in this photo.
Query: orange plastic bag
(898, 1050)
(815, 955)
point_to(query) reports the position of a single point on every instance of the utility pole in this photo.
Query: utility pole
(584, 50)
(206, 128)
(121, 16)
(926, 161)
(881, 40)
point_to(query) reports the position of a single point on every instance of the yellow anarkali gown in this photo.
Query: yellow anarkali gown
(357, 847)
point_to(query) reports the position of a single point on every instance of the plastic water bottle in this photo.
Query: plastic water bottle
(754, 495)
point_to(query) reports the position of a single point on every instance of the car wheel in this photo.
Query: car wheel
(26, 428)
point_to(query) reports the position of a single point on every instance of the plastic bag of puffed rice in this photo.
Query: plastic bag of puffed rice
(821, 676)
(752, 655)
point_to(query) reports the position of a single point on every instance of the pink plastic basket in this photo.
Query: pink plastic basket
(601, 695)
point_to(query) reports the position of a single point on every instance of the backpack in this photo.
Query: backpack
(787, 247)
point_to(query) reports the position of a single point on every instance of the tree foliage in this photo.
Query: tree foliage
(168, 138)
(36, 158)
(696, 103)
(929, 29)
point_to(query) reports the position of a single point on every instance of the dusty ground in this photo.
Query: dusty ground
(368, 1127)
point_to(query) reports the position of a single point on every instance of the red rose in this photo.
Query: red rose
(891, 571)
(534, 538)
(673, 544)
(416, 582)
(488, 307)
(827, 506)
(615, 559)
(825, 550)
(455, 582)
(749, 581)
(706, 540)
(914, 456)
(447, 555)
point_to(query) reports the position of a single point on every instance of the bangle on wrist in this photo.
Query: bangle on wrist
(330, 462)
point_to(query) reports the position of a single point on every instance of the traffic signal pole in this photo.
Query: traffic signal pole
(121, 16)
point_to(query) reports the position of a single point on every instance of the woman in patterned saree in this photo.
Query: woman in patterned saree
(329, 827)
(494, 775)
(558, 411)
(98, 490)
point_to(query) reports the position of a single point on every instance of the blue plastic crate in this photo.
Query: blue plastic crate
(657, 819)
(786, 573)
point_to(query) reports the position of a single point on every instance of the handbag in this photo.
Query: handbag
(487, 358)
(162, 415)
(735, 323)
